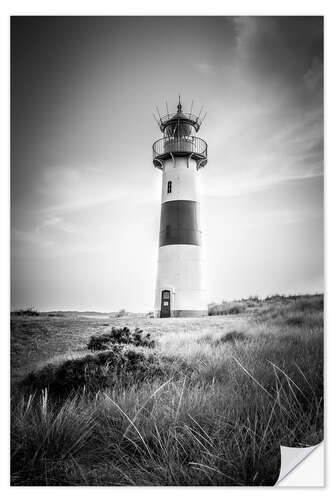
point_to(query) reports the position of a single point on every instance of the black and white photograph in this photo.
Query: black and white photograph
(167, 248)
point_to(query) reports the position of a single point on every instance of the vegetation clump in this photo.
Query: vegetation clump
(120, 336)
(29, 311)
(95, 372)
(121, 313)
(296, 303)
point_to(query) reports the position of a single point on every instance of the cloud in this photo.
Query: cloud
(30, 237)
(278, 47)
(247, 32)
(313, 78)
(202, 67)
(66, 189)
(57, 224)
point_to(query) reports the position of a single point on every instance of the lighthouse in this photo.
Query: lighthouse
(180, 154)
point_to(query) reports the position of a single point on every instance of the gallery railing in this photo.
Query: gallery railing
(183, 146)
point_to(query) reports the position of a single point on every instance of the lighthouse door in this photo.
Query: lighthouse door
(165, 304)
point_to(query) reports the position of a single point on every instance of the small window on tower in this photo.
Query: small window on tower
(169, 186)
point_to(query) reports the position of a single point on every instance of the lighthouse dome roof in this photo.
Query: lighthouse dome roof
(180, 124)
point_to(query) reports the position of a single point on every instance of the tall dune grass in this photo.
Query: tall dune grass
(236, 392)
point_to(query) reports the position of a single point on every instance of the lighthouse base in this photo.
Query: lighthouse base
(184, 313)
(179, 289)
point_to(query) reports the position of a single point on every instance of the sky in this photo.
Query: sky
(85, 197)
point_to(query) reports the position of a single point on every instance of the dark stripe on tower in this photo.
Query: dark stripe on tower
(179, 223)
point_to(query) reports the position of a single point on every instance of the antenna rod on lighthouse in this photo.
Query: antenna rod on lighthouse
(166, 105)
(191, 106)
(200, 112)
(158, 111)
(158, 123)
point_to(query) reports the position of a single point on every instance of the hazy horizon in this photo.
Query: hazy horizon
(85, 197)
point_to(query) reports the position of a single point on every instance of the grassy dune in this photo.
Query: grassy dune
(210, 404)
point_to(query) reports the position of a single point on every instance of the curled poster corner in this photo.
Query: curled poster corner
(291, 458)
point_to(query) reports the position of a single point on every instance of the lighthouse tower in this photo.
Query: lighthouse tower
(180, 154)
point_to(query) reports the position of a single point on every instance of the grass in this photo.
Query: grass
(210, 405)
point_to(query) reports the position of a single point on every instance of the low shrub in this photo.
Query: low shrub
(29, 311)
(95, 372)
(121, 312)
(120, 336)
